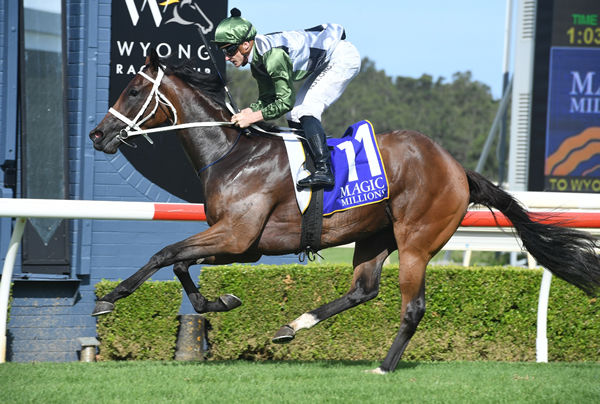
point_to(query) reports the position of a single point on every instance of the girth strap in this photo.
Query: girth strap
(312, 227)
(312, 222)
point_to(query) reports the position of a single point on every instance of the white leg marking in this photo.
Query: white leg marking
(304, 321)
(377, 371)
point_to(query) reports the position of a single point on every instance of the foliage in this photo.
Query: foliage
(142, 326)
(296, 382)
(457, 114)
(476, 313)
(472, 314)
(343, 255)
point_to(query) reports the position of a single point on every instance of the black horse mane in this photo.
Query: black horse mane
(208, 83)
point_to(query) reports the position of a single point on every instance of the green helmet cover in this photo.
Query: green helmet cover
(234, 30)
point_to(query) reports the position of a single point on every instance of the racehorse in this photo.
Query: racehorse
(252, 211)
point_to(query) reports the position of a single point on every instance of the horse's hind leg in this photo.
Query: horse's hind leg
(369, 256)
(415, 249)
(412, 287)
(199, 302)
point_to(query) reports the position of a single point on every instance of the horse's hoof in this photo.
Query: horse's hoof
(102, 307)
(284, 335)
(230, 301)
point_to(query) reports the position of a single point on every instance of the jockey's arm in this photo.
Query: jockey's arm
(247, 117)
(275, 85)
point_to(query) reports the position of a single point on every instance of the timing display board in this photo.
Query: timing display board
(572, 127)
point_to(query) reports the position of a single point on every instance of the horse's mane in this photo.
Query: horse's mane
(208, 83)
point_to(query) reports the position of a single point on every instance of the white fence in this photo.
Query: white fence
(580, 211)
(477, 235)
(22, 209)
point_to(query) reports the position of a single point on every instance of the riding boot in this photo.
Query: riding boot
(317, 142)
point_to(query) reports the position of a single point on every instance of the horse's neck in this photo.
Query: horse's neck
(205, 145)
(208, 146)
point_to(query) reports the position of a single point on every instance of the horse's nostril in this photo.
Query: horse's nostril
(96, 135)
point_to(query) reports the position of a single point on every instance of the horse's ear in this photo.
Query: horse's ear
(152, 60)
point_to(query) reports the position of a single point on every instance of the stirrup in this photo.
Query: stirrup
(325, 180)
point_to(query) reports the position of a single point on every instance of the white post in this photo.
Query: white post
(7, 271)
(541, 342)
(531, 263)
(467, 257)
(507, 41)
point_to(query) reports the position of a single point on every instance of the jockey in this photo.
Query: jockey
(320, 55)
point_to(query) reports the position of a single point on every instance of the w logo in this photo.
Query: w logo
(192, 12)
(135, 15)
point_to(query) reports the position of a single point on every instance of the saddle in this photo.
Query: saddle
(360, 179)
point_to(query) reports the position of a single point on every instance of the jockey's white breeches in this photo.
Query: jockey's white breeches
(325, 86)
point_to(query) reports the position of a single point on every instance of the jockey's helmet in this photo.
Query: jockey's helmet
(234, 30)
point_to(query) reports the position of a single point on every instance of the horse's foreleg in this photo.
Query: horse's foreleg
(106, 304)
(199, 302)
(369, 256)
(226, 238)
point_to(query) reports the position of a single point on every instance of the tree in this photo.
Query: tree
(457, 114)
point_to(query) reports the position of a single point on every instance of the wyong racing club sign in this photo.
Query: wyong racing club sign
(169, 26)
(172, 28)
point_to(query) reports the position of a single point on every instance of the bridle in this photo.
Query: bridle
(133, 127)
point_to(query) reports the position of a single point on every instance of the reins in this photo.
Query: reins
(133, 127)
(160, 98)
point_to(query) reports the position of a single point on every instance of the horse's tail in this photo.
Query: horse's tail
(568, 253)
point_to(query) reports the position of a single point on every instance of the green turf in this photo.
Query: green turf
(299, 382)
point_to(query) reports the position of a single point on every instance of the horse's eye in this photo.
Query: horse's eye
(133, 92)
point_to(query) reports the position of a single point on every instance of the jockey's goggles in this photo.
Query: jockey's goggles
(230, 50)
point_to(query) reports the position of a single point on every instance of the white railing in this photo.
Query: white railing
(475, 237)
(580, 211)
(22, 209)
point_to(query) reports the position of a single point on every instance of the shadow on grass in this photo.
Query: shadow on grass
(326, 364)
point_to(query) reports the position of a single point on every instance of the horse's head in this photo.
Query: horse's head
(142, 105)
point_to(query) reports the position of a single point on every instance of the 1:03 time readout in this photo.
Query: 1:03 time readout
(585, 30)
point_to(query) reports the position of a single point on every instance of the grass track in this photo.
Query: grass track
(298, 382)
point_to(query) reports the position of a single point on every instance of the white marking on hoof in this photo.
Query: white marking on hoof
(200, 260)
(377, 371)
(304, 321)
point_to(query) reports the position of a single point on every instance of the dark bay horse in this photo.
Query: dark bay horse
(251, 208)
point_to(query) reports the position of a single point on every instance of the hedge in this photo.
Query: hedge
(472, 313)
(143, 325)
